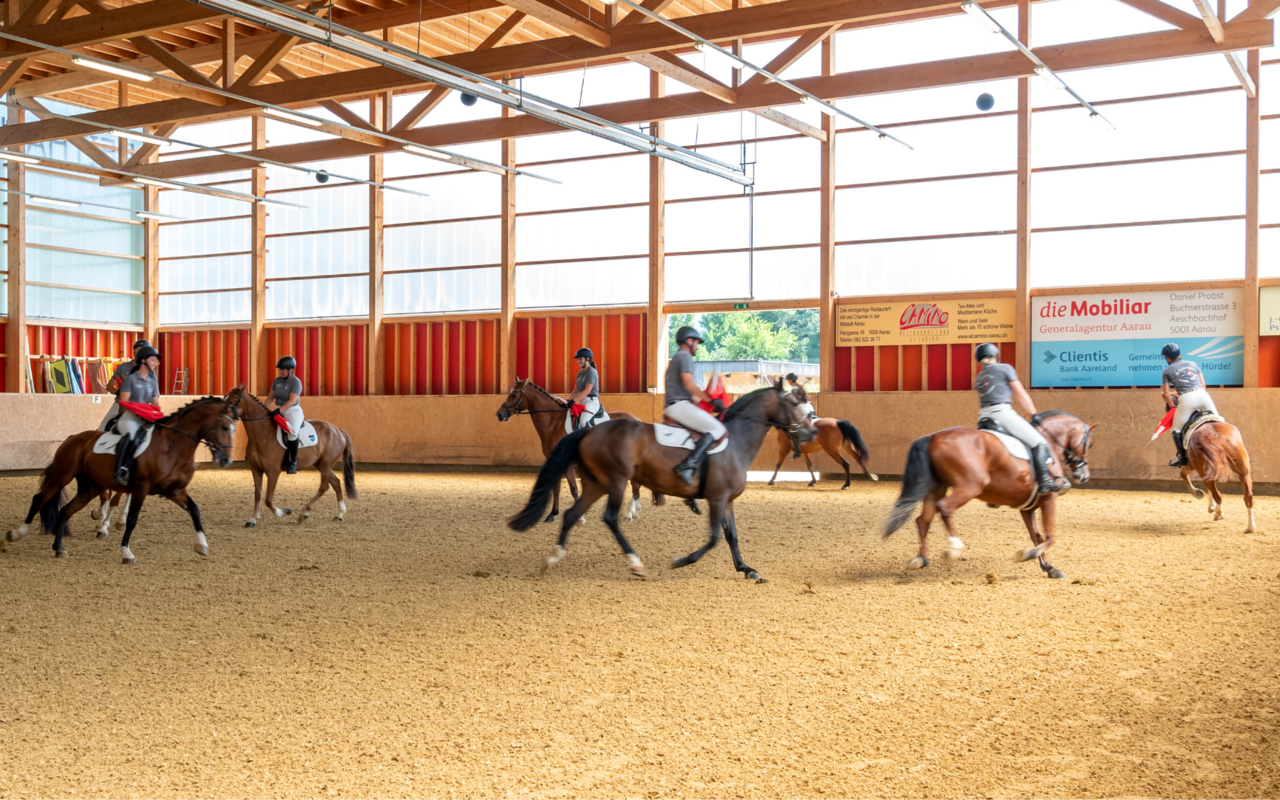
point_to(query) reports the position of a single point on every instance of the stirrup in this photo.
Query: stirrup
(122, 476)
(686, 472)
(1177, 461)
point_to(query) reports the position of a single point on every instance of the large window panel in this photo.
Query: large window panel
(943, 102)
(587, 184)
(68, 230)
(785, 164)
(190, 205)
(454, 244)
(984, 144)
(443, 291)
(583, 234)
(714, 276)
(934, 39)
(204, 274)
(791, 274)
(1269, 152)
(967, 205)
(1138, 254)
(98, 271)
(1138, 80)
(927, 266)
(1206, 123)
(1269, 97)
(326, 209)
(707, 225)
(205, 238)
(121, 202)
(76, 305)
(1138, 192)
(317, 254)
(205, 309)
(1269, 253)
(1269, 198)
(590, 283)
(452, 196)
(785, 219)
(317, 298)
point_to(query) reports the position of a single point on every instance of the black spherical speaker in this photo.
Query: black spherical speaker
(468, 99)
(322, 177)
(986, 102)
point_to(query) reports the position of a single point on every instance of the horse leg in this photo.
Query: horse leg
(337, 489)
(1033, 530)
(784, 447)
(121, 500)
(1185, 474)
(324, 486)
(717, 523)
(49, 492)
(948, 505)
(928, 509)
(257, 497)
(1215, 500)
(730, 526)
(617, 493)
(273, 475)
(809, 464)
(135, 508)
(1048, 512)
(1246, 483)
(181, 499)
(848, 479)
(103, 499)
(572, 477)
(105, 512)
(86, 490)
(591, 492)
(635, 501)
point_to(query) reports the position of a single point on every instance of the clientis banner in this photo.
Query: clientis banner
(1115, 339)
(926, 322)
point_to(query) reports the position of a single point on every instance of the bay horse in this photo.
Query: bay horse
(266, 457)
(836, 437)
(1214, 451)
(548, 415)
(622, 451)
(164, 468)
(975, 464)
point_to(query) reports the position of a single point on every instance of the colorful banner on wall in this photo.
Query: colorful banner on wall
(1269, 311)
(923, 322)
(1115, 339)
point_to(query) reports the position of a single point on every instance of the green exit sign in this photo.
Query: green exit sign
(740, 306)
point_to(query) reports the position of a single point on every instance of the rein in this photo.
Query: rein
(515, 409)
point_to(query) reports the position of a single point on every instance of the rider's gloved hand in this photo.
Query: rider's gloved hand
(718, 405)
(1037, 420)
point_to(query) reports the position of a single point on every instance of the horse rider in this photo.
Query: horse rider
(586, 391)
(681, 392)
(1185, 379)
(140, 386)
(793, 381)
(997, 385)
(117, 380)
(286, 401)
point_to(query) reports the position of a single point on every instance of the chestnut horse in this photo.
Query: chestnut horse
(623, 451)
(1216, 450)
(836, 437)
(975, 464)
(548, 416)
(164, 468)
(266, 456)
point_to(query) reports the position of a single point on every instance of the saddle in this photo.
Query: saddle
(1016, 447)
(108, 442)
(306, 436)
(575, 412)
(670, 433)
(1198, 418)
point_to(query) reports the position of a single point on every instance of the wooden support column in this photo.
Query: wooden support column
(507, 320)
(228, 52)
(151, 266)
(1253, 110)
(15, 364)
(375, 341)
(657, 354)
(827, 240)
(258, 270)
(1022, 296)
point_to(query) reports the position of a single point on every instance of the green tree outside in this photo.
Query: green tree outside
(749, 335)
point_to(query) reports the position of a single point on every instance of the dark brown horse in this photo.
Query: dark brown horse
(836, 437)
(623, 451)
(548, 416)
(975, 464)
(1214, 451)
(164, 468)
(266, 456)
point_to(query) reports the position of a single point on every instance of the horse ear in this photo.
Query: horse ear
(778, 384)
(1094, 425)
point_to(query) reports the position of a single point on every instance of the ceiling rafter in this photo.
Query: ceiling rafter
(567, 21)
(675, 67)
(1167, 13)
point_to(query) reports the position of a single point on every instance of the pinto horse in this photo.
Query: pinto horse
(975, 464)
(548, 415)
(266, 456)
(623, 451)
(164, 468)
(1214, 451)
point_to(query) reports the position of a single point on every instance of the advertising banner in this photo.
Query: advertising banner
(924, 322)
(1114, 339)
(1269, 311)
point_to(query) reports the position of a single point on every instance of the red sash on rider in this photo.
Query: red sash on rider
(282, 423)
(718, 393)
(144, 411)
(576, 410)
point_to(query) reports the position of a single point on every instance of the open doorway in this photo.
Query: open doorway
(751, 349)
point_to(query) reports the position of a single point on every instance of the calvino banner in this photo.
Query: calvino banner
(926, 322)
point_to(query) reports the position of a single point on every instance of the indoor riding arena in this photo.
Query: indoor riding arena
(1002, 248)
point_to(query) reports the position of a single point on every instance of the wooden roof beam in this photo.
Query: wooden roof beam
(1261, 9)
(677, 68)
(564, 20)
(793, 53)
(1167, 13)
(1214, 25)
(636, 18)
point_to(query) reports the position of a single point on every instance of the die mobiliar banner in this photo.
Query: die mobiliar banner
(926, 322)
(1115, 339)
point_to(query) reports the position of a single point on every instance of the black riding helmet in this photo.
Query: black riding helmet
(287, 362)
(687, 332)
(1171, 350)
(141, 343)
(584, 352)
(144, 353)
(986, 350)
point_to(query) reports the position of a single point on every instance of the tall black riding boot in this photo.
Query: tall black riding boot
(1045, 480)
(1179, 460)
(688, 468)
(291, 456)
(124, 459)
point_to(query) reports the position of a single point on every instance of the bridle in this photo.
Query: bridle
(514, 410)
(1075, 457)
(213, 446)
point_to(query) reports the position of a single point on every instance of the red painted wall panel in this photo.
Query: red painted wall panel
(455, 357)
(470, 356)
(358, 339)
(1009, 355)
(595, 338)
(522, 349)
(912, 367)
(937, 367)
(422, 340)
(635, 354)
(889, 368)
(404, 380)
(437, 358)
(864, 374)
(1269, 362)
(540, 351)
(612, 377)
(844, 369)
(560, 354)
(961, 367)
(488, 367)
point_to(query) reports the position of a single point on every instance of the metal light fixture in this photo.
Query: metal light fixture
(825, 108)
(980, 15)
(157, 216)
(1051, 78)
(107, 66)
(138, 137)
(7, 156)
(296, 119)
(159, 183)
(53, 201)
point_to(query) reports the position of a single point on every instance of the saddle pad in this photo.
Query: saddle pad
(1015, 447)
(807, 412)
(1195, 426)
(306, 437)
(107, 442)
(671, 436)
(587, 421)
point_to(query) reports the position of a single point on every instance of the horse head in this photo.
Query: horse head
(1072, 437)
(772, 407)
(214, 420)
(514, 401)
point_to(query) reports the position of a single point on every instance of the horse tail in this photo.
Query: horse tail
(853, 437)
(1215, 449)
(52, 507)
(349, 469)
(917, 481)
(659, 499)
(563, 456)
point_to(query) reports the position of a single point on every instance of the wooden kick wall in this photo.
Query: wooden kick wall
(448, 357)
(910, 368)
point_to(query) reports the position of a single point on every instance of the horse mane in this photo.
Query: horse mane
(1056, 413)
(192, 406)
(734, 411)
(801, 393)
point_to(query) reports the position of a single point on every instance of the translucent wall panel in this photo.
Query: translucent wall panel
(733, 126)
(590, 283)
(80, 269)
(453, 244)
(113, 201)
(1270, 77)
(1141, 254)
(716, 276)
(449, 110)
(983, 144)
(1269, 252)
(1067, 21)
(785, 164)
(790, 274)
(1138, 192)
(64, 230)
(586, 184)
(1178, 126)
(205, 309)
(924, 209)
(395, 165)
(592, 86)
(683, 182)
(451, 196)
(45, 302)
(203, 274)
(923, 40)
(205, 238)
(317, 254)
(555, 146)
(442, 291)
(318, 298)
(583, 234)
(1138, 80)
(326, 209)
(189, 205)
(707, 225)
(943, 102)
(1269, 198)
(1269, 152)
(975, 263)
(280, 178)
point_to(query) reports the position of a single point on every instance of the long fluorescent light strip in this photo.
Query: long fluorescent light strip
(145, 138)
(54, 201)
(707, 46)
(299, 23)
(990, 23)
(158, 216)
(107, 66)
(289, 116)
(21, 159)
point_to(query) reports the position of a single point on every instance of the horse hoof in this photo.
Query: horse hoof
(919, 562)
(251, 524)
(18, 532)
(811, 483)
(873, 476)
(202, 549)
(677, 563)
(770, 483)
(338, 518)
(846, 486)
(636, 567)
(102, 534)
(1197, 494)
(129, 561)
(60, 553)
(1056, 574)
(288, 511)
(95, 514)
(304, 517)
(582, 520)
(752, 575)
(550, 517)
(557, 555)
(1025, 555)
